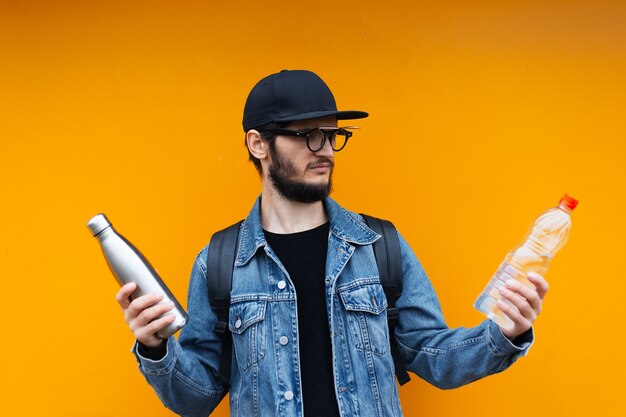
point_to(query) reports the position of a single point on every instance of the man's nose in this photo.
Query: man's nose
(327, 150)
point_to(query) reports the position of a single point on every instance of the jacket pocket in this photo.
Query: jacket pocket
(247, 325)
(365, 306)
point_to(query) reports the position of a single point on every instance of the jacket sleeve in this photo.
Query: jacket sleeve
(446, 358)
(186, 379)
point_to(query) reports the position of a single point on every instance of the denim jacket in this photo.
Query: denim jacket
(265, 376)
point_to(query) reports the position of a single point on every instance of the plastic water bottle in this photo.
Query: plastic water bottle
(547, 235)
(129, 265)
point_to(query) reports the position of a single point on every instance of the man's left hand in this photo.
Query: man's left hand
(526, 301)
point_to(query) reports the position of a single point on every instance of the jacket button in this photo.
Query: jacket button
(289, 395)
(238, 323)
(283, 340)
(281, 285)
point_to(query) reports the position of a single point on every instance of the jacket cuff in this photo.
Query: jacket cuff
(502, 346)
(157, 367)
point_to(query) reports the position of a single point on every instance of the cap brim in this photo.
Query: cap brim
(340, 115)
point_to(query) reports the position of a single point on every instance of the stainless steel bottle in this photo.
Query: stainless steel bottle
(129, 265)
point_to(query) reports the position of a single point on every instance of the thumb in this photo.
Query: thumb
(123, 295)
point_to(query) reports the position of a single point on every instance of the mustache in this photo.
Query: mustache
(321, 161)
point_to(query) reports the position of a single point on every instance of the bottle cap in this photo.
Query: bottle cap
(98, 223)
(570, 202)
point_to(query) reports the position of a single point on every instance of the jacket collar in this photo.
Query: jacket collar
(344, 224)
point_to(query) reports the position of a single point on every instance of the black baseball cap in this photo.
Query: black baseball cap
(292, 95)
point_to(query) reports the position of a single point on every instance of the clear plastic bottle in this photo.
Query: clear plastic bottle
(128, 265)
(547, 235)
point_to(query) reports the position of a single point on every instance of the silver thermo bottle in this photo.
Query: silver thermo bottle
(129, 265)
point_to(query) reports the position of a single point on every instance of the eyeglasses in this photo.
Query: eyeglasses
(317, 137)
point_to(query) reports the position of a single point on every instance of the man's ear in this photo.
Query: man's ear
(257, 146)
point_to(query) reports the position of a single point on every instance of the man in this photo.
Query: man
(308, 312)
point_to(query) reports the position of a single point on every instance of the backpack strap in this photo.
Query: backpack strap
(389, 262)
(220, 264)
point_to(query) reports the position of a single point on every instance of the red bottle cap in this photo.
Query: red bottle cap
(570, 202)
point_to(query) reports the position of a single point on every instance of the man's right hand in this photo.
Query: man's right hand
(141, 314)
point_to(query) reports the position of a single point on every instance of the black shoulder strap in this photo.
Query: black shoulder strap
(389, 262)
(220, 264)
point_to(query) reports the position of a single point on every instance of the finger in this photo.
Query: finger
(529, 294)
(147, 334)
(520, 323)
(540, 283)
(123, 295)
(521, 304)
(141, 303)
(151, 313)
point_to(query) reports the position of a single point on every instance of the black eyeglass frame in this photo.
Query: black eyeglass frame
(328, 133)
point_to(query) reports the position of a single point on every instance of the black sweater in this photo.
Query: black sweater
(304, 256)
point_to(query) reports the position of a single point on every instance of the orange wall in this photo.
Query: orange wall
(482, 115)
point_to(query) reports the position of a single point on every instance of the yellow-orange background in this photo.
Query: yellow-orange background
(482, 115)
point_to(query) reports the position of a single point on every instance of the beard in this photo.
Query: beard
(281, 172)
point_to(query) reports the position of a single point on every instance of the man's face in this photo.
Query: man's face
(296, 172)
